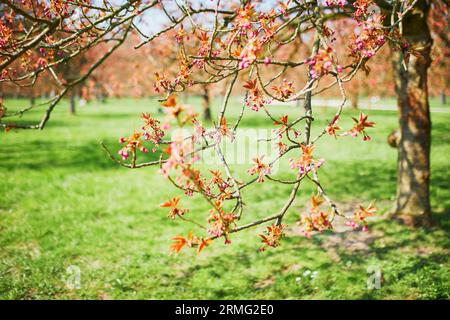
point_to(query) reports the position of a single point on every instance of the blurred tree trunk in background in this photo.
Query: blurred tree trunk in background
(72, 103)
(206, 104)
(354, 100)
(413, 172)
(353, 92)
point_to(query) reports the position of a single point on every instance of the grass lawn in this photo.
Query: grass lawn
(65, 206)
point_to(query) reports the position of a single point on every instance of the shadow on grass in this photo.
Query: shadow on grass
(440, 134)
(119, 113)
(52, 123)
(39, 155)
(110, 116)
(360, 180)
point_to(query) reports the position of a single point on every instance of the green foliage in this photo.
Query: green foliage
(64, 203)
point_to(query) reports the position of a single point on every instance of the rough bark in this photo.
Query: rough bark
(413, 172)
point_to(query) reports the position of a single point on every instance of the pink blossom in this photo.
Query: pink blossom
(340, 3)
(352, 224)
(124, 154)
(245, 63)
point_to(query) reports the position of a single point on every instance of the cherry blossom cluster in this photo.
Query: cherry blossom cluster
(151, 131)
(131, 143)
(316, 219)
(5, 34)
(285, 90)
(371, 37)
(306, 162)
(190, 241)
(180, 155)
(255, 99)
(340, 3)
(322, 63)
(260, 169)
(221, 222)
(359, 127)
(360, 215)
(175, 210)
(272, 236)
(362, 7)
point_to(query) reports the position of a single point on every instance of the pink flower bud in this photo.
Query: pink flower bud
(320, 163)
(124, 154)
(244, 64)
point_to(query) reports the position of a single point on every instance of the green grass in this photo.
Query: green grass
(64, 203)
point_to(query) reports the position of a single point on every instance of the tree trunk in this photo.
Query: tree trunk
(413, 166)
(72, 104)
(354, 101)
(443, 98)
(206, 104)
